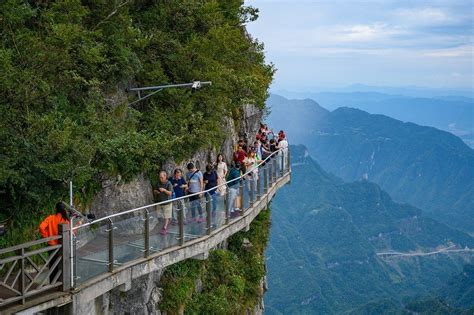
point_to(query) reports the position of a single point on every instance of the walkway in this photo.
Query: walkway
(112, 251)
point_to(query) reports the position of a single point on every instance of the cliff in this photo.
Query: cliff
(190, 285)
(116, 196)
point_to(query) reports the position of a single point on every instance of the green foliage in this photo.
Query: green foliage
(230, 278)
(325, 236)
(422, 166)
(65, 65)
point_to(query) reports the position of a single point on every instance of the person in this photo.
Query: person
(265, 149)
(251, 163)
(195, 185)
(210, 180)
(163, 192)
(234, 173)
(239, 154)
(179, 189)
(49, 226)
(273, 146)
(258, 149)
(281, 135)
(221, 169)
(283, 145)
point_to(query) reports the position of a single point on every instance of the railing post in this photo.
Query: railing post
(288, 165)
(22, 276)
(110, 225)
(270, 173)
(272, 166)
(252, 188)
(208, 212)
(147, 233)
(63, 230)
(241, 194)
(275, 166)
(282, 168)
(181, 219)
(74, 260)
(226, 206)
(259, 183)
(265, 178)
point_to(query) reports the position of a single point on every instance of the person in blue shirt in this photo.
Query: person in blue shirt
(179, 190)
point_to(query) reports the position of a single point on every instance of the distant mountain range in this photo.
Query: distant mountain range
(412, 91)
(450, 113)
(423, 166)
(327, 243)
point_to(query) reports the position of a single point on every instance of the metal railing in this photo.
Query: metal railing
(93, 248)
(112, 241)
(32, 269)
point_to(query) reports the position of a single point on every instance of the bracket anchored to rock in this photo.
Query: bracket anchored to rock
(195, 85)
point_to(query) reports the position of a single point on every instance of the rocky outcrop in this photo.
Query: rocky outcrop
(142, 298)
(116, 196)
(144, 295)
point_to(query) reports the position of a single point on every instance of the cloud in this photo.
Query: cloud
(460, 51)
(429, 40)
(424, 16)
(366, 33)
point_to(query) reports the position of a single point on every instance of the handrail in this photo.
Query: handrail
(179, 198)
(29, 244)
(60, 265)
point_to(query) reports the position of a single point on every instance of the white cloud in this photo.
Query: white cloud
(455, 52)
(398, 40)
(424, 16)
(366, 33)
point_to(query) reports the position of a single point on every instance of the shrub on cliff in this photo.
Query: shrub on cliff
(65, 66)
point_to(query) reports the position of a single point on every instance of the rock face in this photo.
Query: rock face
(142, 298)
(117, 197)
(144, 294)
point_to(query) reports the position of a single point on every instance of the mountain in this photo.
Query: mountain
(296, 115)
(454, 114)
(456, 297)
(325, 238)
(423, 166)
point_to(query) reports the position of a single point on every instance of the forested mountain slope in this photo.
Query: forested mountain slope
(325, 238)
(450, 113)
(423, 166)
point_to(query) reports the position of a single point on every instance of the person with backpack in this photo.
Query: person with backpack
(195, 181)
(210, 180)
(234, 174)
(163, 192)
(179, 190)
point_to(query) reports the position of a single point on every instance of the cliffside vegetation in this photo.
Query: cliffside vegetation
(229, 282)
(65, 116)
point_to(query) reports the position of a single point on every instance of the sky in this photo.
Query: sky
(334, 43)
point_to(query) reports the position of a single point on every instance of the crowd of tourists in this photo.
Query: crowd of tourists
(246, 158)
(218, 179)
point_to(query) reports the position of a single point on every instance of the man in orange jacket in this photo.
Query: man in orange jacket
(49, 226)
